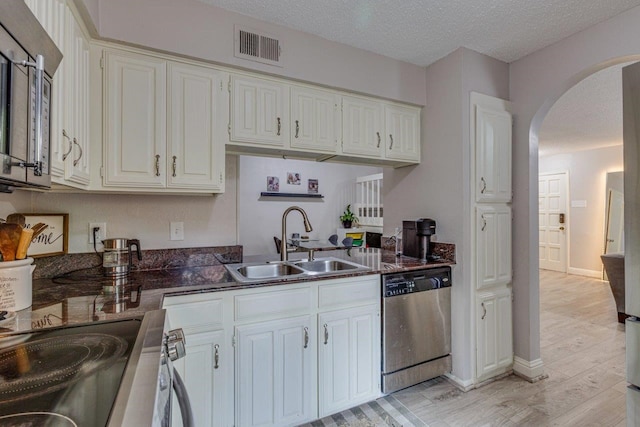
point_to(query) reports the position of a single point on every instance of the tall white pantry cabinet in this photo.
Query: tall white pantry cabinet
(491, 194)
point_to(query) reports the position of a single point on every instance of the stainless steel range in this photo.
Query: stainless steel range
(416, 327)
(113, 373)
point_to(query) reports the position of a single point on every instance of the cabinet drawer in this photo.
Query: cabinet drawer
(272, 304)
(349, 294)
(191, 314)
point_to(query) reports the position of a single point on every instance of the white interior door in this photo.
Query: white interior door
(553, 221)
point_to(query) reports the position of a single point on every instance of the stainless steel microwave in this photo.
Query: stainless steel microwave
(28, 60)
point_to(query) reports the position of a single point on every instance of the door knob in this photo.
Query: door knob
(561, 228)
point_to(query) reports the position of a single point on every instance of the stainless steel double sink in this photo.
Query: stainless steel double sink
(289, 270)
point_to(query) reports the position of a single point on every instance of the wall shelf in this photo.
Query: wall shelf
(269, 195)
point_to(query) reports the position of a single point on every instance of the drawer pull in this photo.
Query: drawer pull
(326, 334)
(306, 337)
(216, 356)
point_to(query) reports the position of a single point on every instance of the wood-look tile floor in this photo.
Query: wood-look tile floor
(582, 347)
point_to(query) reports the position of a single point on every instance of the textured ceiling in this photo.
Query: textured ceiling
(587, 116)
(423, 31)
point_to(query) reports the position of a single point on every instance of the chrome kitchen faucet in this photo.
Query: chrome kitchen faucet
(283, 240)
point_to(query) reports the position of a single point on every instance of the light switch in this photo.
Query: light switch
(177, 231)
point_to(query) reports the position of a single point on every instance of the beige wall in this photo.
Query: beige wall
(195, 29)
(260, 219)
(536, 82)
(208, 220)
(587, 181)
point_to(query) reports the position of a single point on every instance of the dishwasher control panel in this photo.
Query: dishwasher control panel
(415, 281)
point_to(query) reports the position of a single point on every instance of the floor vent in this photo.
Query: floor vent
(255, 46)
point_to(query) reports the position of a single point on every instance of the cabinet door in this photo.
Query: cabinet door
(134, 120)
(196, 156)
(77, 107)
(362, 127)
(203, 370)
(348, 358)
(314, 119)
(259, 111)
(494, 333)
(402, 126)
(493, 154)
(275, 370)
(493, 246)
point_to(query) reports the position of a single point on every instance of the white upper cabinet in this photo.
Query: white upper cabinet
(194, 159)
(162, 124)
(362, 127)
(259, 111)
(402, 132)
(493, 155)
(315, 119)
(70, 93)
(493, 245)
(134, 120)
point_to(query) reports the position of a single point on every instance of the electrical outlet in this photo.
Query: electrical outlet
(177, 231)
(102, 231)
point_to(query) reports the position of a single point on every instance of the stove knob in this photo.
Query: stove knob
(175, 342)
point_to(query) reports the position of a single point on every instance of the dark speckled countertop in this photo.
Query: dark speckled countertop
(85, 296)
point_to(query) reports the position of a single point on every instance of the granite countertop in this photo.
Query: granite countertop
(80, 298)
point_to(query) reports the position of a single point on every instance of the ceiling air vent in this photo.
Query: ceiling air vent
(257, 46)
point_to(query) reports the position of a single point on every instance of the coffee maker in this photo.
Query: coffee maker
(416, 238)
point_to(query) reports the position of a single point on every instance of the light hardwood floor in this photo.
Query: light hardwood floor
(582, 347)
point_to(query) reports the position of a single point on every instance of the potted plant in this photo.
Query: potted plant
(348, 218)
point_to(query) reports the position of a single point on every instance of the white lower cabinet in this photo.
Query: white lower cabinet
(275, 373)
(348, 358)
(202, 372)
(494, 333)
(263, 356)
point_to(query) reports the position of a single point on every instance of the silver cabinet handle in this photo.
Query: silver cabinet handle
(378, 133)
(484, 223)
(75, 162)
(157, 164)
(279, 126)
(173, 165)
(64, 135)
(306, 337)
(297, 128)
(485, 311)
(216, 356)
(391, 138)
(326, 334)
(484, 185)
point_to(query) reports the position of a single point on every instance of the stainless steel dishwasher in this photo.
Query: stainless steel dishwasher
(416, 327)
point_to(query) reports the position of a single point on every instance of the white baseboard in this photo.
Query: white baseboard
(530, 370)
(464, 385)
(596, 274)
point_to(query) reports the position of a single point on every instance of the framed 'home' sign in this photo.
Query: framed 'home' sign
(54, 240)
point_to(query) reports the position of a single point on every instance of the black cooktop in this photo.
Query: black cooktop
(66, 376)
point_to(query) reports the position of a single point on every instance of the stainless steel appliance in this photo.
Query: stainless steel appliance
(117, 258)
(416, 327)
(416, 238)
(28, 60)
(113, 373)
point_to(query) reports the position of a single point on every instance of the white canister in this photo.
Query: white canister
(15, 284)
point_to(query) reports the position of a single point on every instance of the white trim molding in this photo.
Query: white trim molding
(464, 385)
(531, 371)
(596, 274)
